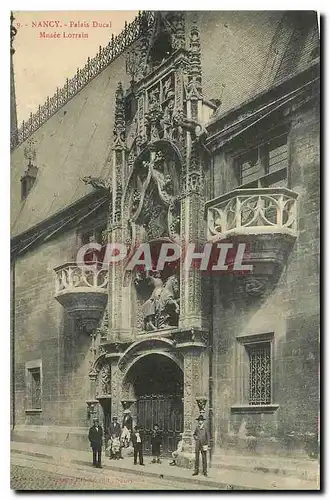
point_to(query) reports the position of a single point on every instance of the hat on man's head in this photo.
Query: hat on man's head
(200, 418)
(126, 412)
(114, 418)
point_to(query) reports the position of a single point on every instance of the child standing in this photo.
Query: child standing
(137, 445)
(156, 441)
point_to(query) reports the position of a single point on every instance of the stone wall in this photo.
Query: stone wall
(43, 331)
(290, 310)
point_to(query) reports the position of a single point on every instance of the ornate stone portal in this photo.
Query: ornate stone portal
(157, 196)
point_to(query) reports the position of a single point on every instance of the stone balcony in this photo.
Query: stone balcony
(263, 218)
(82, 291)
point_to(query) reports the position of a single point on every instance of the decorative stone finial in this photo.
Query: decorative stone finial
(194, 89)
(13, 32)
(30, 152)
(119, 128)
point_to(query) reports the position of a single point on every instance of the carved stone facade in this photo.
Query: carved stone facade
(159, 194)
(175, 338)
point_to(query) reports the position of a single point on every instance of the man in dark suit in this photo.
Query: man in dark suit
(115, 429)
(137, 445)
(95, 437)
(201, 437)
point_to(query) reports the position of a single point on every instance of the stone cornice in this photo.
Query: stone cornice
(62, 220)
(224, 128)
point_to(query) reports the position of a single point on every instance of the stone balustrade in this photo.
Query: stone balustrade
(252, 211)
(82, 291)
(70, 276)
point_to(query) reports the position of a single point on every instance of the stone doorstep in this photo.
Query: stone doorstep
(262, 479)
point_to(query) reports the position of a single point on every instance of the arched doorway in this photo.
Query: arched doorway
(157, 382)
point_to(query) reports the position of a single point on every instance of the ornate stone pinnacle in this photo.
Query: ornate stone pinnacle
(119, 128)
(13, 32)
(132, 63)
(119, 106)
(195, 67)
(30, 151)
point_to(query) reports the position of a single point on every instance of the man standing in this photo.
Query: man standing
(137, 445)
(95, 436)
(201, 437)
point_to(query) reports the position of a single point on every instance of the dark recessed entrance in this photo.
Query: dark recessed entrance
(158, 387)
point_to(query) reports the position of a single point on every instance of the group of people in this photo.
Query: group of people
(120, 436)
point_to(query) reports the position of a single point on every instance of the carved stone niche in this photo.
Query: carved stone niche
(152, 204)
(103, 387)
(157, 296)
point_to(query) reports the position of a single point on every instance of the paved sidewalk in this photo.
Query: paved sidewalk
(217, 478)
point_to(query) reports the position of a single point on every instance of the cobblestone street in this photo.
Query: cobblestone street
(34, 474)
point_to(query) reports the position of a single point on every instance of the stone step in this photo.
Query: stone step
(218, 478)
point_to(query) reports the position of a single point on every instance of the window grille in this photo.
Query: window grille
(259, 373)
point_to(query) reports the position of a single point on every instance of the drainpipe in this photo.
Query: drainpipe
(210, 349)
(210, 336)
(13, 306)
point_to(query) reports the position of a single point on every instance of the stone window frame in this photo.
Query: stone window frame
(30, 366)
(261, 147)
(242, 374)
(94, 229)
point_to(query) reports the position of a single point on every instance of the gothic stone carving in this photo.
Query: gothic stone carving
(104, 380)
(162, 309)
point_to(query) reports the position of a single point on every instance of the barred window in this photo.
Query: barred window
(259, 354)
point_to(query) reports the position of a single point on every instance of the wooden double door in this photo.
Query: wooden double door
(167, 412)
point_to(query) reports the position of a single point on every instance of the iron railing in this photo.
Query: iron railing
(93, 67)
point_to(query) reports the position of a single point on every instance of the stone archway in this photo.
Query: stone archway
(155, 382)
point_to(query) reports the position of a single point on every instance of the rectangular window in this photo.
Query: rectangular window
(250, 166)
(259, 355)
(33, 385)
(254, 373)
(277, 154)
(265, 165)
(93, 235)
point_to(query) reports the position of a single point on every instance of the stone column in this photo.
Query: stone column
(192, 199)
(193, 386)
(191, 296)
(115, 226)
(116, 383)
(115, 292)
